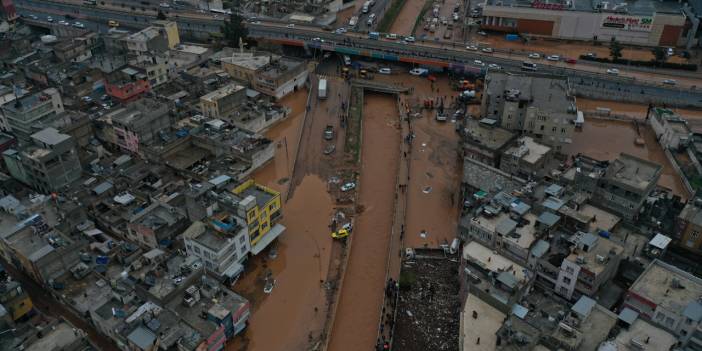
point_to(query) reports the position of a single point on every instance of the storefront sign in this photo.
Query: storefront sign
(547, 6)
(630, 23)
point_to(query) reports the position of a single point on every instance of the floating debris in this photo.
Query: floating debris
(423, 234)
(426, 190)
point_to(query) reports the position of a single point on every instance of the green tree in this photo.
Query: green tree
(615, 49)
(234, 29)
(660, 54)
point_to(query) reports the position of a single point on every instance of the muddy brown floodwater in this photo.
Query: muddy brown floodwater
(358, 312)
(284, 319)
(405, 20)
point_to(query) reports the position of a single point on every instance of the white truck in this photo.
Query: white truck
(366, 7)
(322, 89)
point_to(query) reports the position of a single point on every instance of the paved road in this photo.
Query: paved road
(47, 304)
(629, 88)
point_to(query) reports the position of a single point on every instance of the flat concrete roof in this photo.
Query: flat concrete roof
(602, 248)
(56, 338)
(528, 150)
(222, 92)
(655, 338)
(655, 284)
(633, 172)
(603, 220)
(526, 233)
(481, 134)
(484, 327)
(484, 257)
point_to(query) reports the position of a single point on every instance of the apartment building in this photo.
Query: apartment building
(50, 163)
(127, 84)
(156, 226)
(540, 106)
(281, 77)
(260, 208)
(223, 101)
(689, 227)
(20, 116)
(626, 184)
(136, 125)
(671, 130)
(526, 158)
(484, 141)
(221, 242)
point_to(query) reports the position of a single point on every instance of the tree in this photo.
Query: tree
(660, 54)
(234, 29)
(615, 49)
(161, 16)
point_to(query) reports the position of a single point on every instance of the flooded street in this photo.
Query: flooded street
(358, 313)
(303, 253)
(404, 23)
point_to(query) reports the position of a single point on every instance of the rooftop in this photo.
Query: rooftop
(137, 113)
(528, 150)
(248, 60)
(599, 253)
(633, 172)
(525, 234)
(483, 177)
(601, 219)
(60, 336)
(488, 260)
(484, 327)
(50, 136)
(653, 337)
(222, 92)
(279, 67)
(29, 102)
(493, 138)
(547, 93)
(667, 286)
(213, 239)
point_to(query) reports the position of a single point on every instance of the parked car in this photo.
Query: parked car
(613, 71)
(571, 60)
(329, 132)
(669, 81)
(478, 62)
(291, 25)
(487, 50)
(553, 58)
(494, 66)
(64, 23)
(384, 70)
(472, 48)
(591, 55)
(409, 39)
(391, 36)
(49, 19)
(78, 25)
(419, 71)
(534, 55)
(348, 186)
(482, 33)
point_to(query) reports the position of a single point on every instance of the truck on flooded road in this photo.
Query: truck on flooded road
(322, 89)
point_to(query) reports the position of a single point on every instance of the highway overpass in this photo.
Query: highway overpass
(194, 25)
(596, 85)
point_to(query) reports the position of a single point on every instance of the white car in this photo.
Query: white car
(669, 81)
(385, 70)
(391, 36)
(487, 50)
(317, 39)
(291, 25)
(472, 48)
(49, 19)
(479, 63)
(419, 71)
(78, 25)
(482, 33)
(64, 23)
(553, 58)
(613, 71)
(409, 39)
(348, 186)
(534, 55)
(494, 66)
(341, 30)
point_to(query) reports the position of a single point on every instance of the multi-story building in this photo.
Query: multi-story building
(582, 268)
(136, 125)
(538, 105)
(223, 102)
(45, 254)
(484, 141)
(222, 244)
(149, 39)
(21, 115)
(243, 66)
(260, 208)
(626, 184)
(15, 300)
(155, 65)
(669, 297)
(156, 225)
(49, 164)
(127, 84)
(527, 159)
(671, 130)
(281, 77)
(169, 29)
(689, 227)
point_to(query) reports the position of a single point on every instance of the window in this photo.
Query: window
(242, 250)
(566, 280)
(542, 127)
(196, 249)
(553, 129)
(242, 239)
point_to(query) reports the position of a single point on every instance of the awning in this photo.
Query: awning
(233, 270)
(267, 239)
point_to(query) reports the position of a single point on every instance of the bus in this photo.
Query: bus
(528, 66)
(374, 35)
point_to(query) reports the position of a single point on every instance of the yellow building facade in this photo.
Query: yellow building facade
(261, 209)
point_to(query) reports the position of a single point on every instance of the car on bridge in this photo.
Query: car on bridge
(613, 71)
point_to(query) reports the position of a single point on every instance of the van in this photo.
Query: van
(528, 66)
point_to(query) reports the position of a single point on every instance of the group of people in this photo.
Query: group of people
(387, 318)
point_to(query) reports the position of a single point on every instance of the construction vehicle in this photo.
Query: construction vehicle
(340, 234)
